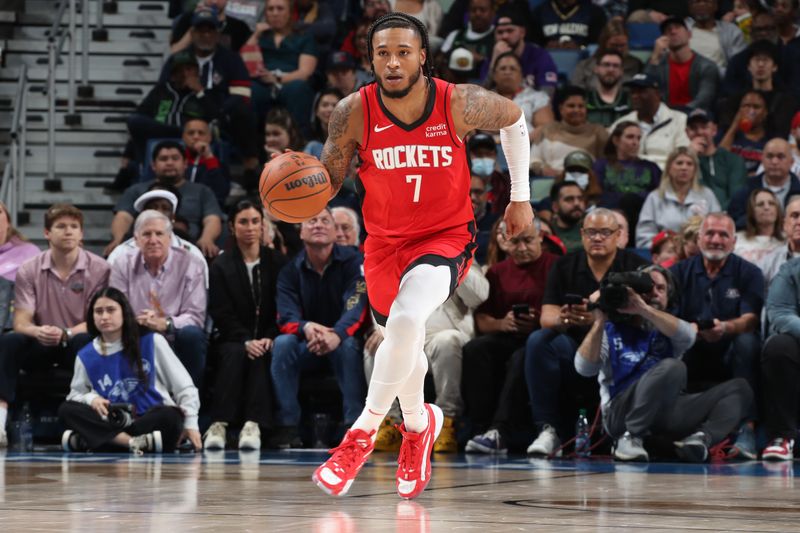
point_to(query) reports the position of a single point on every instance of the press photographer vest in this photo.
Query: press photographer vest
(113, 378)
(632, 352)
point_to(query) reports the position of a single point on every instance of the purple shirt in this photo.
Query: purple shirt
(57, 302)
(177, 292)
(538, 68)
(13, 254)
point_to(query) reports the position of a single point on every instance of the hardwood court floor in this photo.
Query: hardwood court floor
(273, 492)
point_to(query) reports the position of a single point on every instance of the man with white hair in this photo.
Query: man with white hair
(723, 296)
(165, 201)
(347, 225)
(166, 289)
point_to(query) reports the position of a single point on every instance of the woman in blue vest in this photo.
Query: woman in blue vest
(122, 367)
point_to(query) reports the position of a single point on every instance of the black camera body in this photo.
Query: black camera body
(614, 289)
(120, 415)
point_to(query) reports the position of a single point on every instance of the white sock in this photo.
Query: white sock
(3, 418)
(422, 290)
(412, 398)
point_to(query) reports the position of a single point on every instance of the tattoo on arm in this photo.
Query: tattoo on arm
(339, 148)
(487, 110)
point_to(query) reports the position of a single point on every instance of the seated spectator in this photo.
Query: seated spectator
(781, 103)
(290, 59)
(623, 239)
(241, 300)
(166, 289)
(722, 171)
(315, 18)
(341, 73)
(569, 206)
(741, 14)
(664, 250)
(567, 23)
(120, 365)
(636, 354)
(355, 42)
(606, 98)
(686, 238)
(771, 264)
(323, 107)
(348, 226)
(484, 216)
(785, 13)
(166, 201)
(779, 364)
(477, 36)
(321, 307)
(280, 133)
(777, 177)
(202, 165)
(14, 248)
(714, 39)
(162, 114)
(234, 32)
(225, 82)
(663, 129)
(747, 134)
(727, 296)
(506, 80)
(624, 178)
(613, 37)
(552, 142)
(51, 295)
(679, 196)
(578, 169)
(498, 247)
(482, 153)
(493, 361)
(762, 234)
(550, 351)
(198, 204)
(538, 69)
(687, 80)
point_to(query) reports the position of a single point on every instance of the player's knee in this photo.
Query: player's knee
(405, 325)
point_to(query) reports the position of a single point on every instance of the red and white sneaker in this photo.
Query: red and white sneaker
(335, 475)
(779, 449)
(414, 463)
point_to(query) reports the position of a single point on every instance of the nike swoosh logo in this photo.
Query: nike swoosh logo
(378, 130)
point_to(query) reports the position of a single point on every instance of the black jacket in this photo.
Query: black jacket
(737, 208)
(230, 296)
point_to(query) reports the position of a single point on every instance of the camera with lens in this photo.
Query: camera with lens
(120, 415)
(614, 289)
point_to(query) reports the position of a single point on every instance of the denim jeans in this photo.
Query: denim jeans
(290, 357)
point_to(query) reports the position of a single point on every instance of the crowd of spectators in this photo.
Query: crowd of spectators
(676, 158)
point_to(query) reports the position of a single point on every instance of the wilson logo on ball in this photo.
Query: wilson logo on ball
(310, 181)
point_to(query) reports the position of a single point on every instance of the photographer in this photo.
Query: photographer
(636, 350)
(723, 294)
(128, 391)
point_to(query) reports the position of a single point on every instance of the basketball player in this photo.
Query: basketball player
(409, 130)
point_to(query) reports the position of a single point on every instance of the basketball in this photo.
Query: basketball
(294, 186)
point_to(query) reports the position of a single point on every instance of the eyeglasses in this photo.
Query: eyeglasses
(603, 233)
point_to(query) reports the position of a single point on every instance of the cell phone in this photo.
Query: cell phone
(520, 310)
(573, 299)
(705, 324)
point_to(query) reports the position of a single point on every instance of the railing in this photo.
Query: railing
(11, 188)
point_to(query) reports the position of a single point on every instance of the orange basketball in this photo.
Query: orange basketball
(294, 186)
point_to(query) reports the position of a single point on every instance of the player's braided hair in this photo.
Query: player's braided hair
(401, 20)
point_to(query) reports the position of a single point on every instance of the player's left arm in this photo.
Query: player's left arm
(474, 108)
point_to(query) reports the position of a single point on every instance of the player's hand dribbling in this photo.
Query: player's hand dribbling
(519, 215)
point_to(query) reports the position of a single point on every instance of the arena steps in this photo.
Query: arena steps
(122, 71)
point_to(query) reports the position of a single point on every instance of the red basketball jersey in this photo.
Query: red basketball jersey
(414, 178)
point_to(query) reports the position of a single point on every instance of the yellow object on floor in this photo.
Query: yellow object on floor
(447, 442)
(388, 438)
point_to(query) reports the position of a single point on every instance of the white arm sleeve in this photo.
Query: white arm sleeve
(516, 147)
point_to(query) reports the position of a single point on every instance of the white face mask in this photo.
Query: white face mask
(581, 178)
(483, 166)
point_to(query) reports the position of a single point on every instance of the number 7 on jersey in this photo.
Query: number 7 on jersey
(417, 178)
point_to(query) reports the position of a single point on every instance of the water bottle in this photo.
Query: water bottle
(582, 438)
(26, 429)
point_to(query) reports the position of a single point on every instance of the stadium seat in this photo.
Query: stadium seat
(566, 61)
(642, 35)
